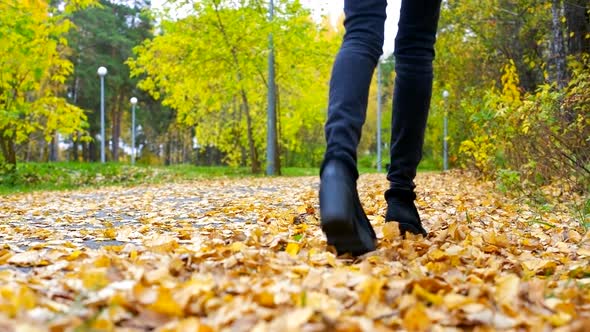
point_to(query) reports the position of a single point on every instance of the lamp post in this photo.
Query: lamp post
(379, 116)
(102, 72)
(271, 139)
(446, 132)
(133, 101)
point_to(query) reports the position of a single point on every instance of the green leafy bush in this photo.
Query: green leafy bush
(533, 139)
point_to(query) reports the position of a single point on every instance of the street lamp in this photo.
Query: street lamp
(102, 72)
(271, 139)
(133, 101)
(446, 132)
(379, 116)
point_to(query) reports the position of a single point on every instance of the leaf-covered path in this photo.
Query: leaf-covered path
(248, 255)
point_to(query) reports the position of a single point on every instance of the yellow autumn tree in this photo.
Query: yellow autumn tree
(33, 69)
(211, 68)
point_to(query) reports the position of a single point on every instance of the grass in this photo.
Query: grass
(70, 175)
(66, 175)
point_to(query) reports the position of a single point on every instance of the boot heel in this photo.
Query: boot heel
(337, 213)
(335, 203)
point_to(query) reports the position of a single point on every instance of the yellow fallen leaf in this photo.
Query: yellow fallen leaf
(265, 299)
(103, 325)
(109, 233)
(4, 256)
(426, 295)
(28, 258)
(499, 240)
(433, 285)
(559, 319)
(584, 252)
(506, 293)
(370, 290)
(118, 300)
(292, 320)
(192, 325)
(12, 301)
(539, 265)
(495, 319)
(144, 295)
(94, 278)
(391, 231)
(102, 261)
(26, 298)
(416, 318)
(437, 255)
(165, 304)
(331, 259)
(161, 243)
(26, 327)
(292, 249)
(157, 276)
(74, 255)
(237, 246)
(453, 301)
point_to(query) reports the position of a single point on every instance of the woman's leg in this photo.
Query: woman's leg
(351, 77)
(414, 54)
(343, 219)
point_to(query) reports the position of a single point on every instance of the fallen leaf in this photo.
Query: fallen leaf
(292, 249)
(506, 294)
(416, 318)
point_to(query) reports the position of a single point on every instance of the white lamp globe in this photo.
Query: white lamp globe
(133, 100)
(102, 71)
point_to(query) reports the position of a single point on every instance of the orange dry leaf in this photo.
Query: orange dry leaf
(391, 231)
(265, 299)
(416, 318)
(506, 294)
(230, 253)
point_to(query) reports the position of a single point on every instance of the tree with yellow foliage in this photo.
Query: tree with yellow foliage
(33, 69)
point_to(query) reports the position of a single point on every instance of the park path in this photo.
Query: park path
(248, 255)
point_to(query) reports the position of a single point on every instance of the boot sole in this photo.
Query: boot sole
(337, 212)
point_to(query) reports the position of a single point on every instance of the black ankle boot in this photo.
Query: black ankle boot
(343, 219)
(401, 209)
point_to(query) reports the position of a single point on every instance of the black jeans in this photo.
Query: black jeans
(351, 77)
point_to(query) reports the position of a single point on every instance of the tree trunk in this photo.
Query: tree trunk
(54, 147)
(92, 150)
(255, 167)
(578, 26)
(75, 145)
(558, 46)
(167, 149)
(8, 150)
(28, 151)
(116, 128)
(278, 135)
(41, 150)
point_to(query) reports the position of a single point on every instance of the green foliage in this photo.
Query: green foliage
(33, 71)
(105, 35)
(52, 176)
(221, 89)
(539, 137)
(584, 214)
(508, 180)
(509, 121)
